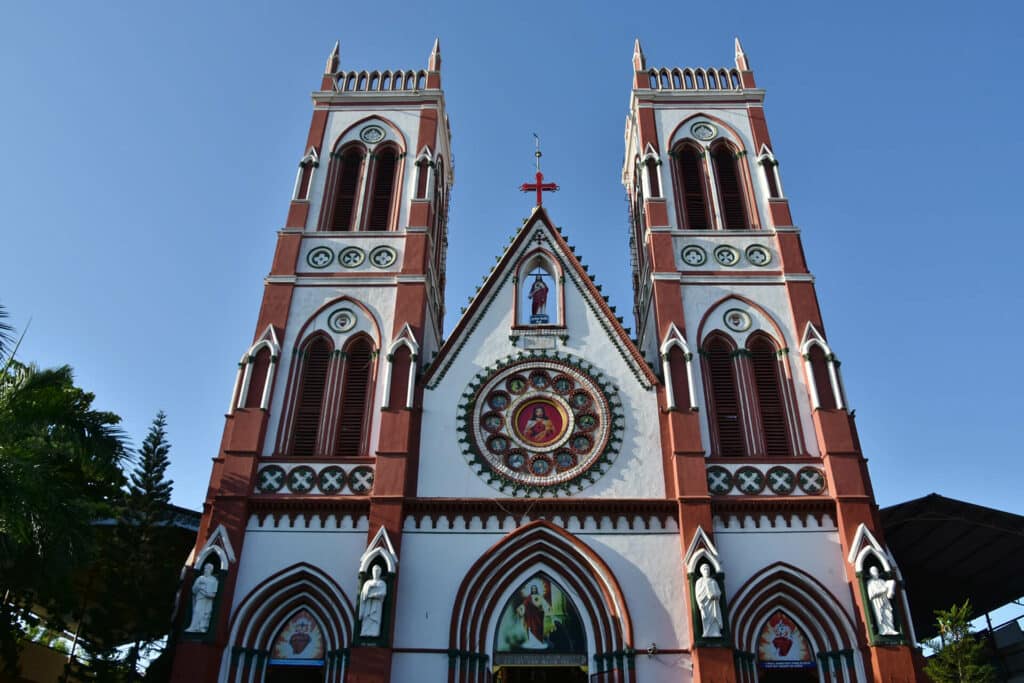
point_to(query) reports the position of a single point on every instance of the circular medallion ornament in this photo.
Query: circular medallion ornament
(703, 131)
(351, 257)
(694, 256)
(321, 257)
(749, 480)
(736, 320)
(719, 480)
(361, 479)
(331, 479)
(726, 255)
(811, 480)
(383, 257)
(301, 479)
(781, 480)
(758, 255)
(342, 320)
(540, 425)
(371, 134)
(271, 479)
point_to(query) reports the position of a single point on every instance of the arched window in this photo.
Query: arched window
(820, 377)
(764, 361)
(355, 399)
(258, 378)
(309, 405)
(680, 379)
(730, 190)
(401, 366)
(385, 167)
(346, 189)
(723, 399)
(651, 164)
(691, 196)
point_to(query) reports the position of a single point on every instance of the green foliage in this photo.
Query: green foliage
(959, 656)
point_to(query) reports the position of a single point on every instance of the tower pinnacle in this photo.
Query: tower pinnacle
(434, 63)
(639, 61)
(333, 59)
(741, 57)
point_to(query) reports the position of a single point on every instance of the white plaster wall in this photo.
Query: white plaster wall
(414, 667)
(647, 567)
(268, 551)
(367, 241)
(637, 471)
(698, 299)
(744, 552)
(305, 301)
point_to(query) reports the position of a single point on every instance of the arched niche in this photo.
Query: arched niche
(540, 296)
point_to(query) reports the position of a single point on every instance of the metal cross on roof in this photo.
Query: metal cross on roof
(540, 186)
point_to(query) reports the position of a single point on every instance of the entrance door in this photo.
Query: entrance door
(277, 673)
(787, 676)
(543, 674)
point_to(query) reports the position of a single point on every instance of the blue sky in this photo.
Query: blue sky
(149, 150)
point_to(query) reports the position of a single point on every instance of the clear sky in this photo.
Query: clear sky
(149, 151)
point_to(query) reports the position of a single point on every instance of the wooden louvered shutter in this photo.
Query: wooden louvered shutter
(311, 398)
(695, 207)
(734, 215)
(721, 367)
(821, 379)
(258, 377)
(383, 187)
(346, 189)
(765, 363)
(354, 399)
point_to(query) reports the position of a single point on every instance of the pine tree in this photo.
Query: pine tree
(959, 656)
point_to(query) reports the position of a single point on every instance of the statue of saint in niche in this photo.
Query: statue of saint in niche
(538, 297)
(371, 605)
(204, 590)
(709, 595)
(880, 593)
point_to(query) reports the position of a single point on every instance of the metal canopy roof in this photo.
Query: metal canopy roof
(949, 551)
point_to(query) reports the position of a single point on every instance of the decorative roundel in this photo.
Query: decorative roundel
(360, 480)
(749, 480)
(301, 479)
(540, 425)
(271, 479)
(736, 320)
(321, 257)
(383, 257)
(371, 134)
(351, 257)
(811, 480)
(703, 131)
(694, 256)
(758, 255)
(781, 480)
(331, 479)
(342, 320)
(726, 255)
(719, 480)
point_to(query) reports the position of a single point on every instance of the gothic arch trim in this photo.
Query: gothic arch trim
(523, 265)
(777, 333)
(538, 547)
(339, 141)
(679, 134)
(333, 302)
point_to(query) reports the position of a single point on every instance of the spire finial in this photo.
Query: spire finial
(539, 186)
(741, 57)
(434, 63)
(639, 61)
(333, 59)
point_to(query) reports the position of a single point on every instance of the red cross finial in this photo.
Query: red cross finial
(540, 186)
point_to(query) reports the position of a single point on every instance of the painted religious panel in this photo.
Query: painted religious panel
(782, 645)
(540, 626)
(299, 641)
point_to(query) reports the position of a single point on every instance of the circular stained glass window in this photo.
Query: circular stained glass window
(541, 425)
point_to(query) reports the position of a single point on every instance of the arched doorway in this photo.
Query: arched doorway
(784, 654)
(297, 655)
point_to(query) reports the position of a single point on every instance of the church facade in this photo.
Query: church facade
(540, 497)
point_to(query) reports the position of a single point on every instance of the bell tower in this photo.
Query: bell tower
(757, 432)
(325, 405)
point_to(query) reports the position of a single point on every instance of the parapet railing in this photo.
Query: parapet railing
(694, 79)
(380, 81)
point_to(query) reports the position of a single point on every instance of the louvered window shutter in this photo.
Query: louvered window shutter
(311, 398)
(695, 207)
(734, 214)
(765, 363)
(354, 399)
(346, 190)
(721, 366)
(383, 187)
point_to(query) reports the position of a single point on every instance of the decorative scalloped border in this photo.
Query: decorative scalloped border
(512, 487)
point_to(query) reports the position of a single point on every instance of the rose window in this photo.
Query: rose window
(540, 425)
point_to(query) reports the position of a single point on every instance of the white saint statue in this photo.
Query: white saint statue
(371, 605)
(880, 593)
(204, 590)
(709, 595)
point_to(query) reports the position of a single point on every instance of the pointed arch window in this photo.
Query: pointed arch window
(819, 374)
(260, 362)
(310, 398)
(764, 361)
(382, 189)
(356, 387)
(347, 175)
(691, 195)
(723, 395)
(730, 189)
